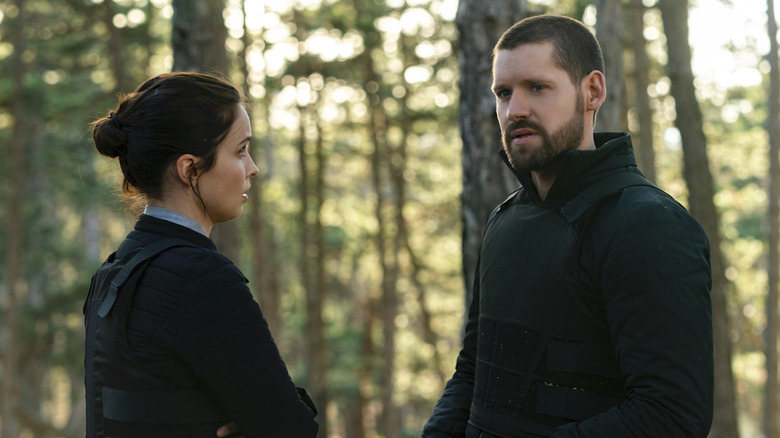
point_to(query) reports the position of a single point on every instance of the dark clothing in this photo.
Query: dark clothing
(191, 331)
(595, 324)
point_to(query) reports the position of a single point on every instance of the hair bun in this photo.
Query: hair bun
(110, 139)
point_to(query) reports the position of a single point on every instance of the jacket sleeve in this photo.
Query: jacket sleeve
(224, 339)
(655, 280)
(451, 412)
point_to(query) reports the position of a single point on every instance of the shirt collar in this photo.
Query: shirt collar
(175, 217)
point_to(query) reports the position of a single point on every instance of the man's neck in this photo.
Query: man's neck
(544, 179)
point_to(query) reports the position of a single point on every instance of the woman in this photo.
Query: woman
(177, 347)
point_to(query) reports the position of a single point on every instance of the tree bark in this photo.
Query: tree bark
(701, 201)
(198, 36)
(643, 140)
(771, 425)
(9, 390)
(486, 180)
(609, 31)
(315, 325)
(265, 287)
(115, 48)
(198, 40)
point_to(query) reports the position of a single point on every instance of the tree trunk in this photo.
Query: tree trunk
(9, 390)
(115, 48)
(315, 326)
(388, 422)
(263, 257)
(486, 180)
(198, 40)
(701, 201)
(609, 31)
(198, 36)
(771, 424)
(643, 141)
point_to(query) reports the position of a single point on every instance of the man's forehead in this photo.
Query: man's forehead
(529, 57)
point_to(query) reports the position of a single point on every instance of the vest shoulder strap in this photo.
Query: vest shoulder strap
(146, 254)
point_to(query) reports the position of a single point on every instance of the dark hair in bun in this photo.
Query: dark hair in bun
(165, 117)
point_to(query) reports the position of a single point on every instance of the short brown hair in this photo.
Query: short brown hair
(576, 49)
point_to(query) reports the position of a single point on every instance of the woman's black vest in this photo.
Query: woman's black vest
(124, 400)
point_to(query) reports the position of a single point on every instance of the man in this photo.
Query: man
(591, 312)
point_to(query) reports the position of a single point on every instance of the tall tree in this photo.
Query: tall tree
(198, 40)
(264, 255)
(198, 36)
(115, 48)
(388, 424)
(9, 390)
(643, 140)
(701, 195)
(609, 31)
(486, 181)
(771, 421)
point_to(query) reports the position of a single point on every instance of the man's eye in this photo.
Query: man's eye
(502, 94)
(537, 87)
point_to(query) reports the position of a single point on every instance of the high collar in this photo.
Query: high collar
(581, 168)
(149, 224)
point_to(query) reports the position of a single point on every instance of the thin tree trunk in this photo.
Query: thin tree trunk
(609, 31)
(397, 166)
(262, 256)
(771, 424)
(368, 314)
(486, 180)
(701, 201)
(643, 141)
(9, 391)
(388, 424)
(198, 36)
(198, 40)
(115, 48)
(318, 348)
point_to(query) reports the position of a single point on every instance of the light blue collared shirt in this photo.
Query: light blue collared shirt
(175, 217)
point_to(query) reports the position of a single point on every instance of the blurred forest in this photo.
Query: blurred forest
(376, 138)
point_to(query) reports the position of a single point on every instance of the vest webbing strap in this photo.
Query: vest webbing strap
(145, 254)
(160, 406)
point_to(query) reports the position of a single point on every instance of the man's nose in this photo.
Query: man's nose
(518, 108)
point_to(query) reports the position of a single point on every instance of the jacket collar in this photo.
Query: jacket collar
(580, 168)
(150, 224)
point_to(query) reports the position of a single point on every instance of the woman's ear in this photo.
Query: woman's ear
(594, 90)
(187, 169)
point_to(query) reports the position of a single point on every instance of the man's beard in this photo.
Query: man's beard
(553, 147)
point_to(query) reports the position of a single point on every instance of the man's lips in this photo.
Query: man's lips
(522, 135)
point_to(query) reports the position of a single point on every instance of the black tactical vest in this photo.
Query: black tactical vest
(544, 356)
(124, 400)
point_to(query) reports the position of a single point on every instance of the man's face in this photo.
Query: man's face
(540, 111)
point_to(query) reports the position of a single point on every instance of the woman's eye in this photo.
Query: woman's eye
(242, 151)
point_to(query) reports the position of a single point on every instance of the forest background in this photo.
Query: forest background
(376, 138)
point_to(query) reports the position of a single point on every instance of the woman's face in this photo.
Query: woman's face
(223, 187)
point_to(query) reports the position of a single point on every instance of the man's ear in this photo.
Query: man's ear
(594, 90)
(187, 169)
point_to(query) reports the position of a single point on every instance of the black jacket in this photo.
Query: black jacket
(193, 325)
(638, 282)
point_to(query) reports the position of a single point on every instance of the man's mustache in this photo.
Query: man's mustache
(525, 124)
